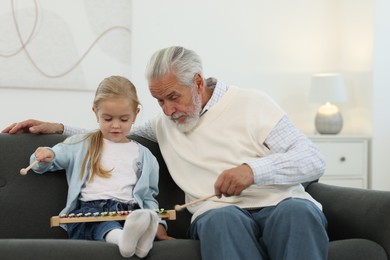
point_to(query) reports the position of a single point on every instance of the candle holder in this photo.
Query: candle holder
(327, 88)
(328, 119)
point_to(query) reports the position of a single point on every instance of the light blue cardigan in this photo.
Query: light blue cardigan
(69, 155)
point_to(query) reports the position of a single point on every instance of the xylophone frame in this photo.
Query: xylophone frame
(55, 221)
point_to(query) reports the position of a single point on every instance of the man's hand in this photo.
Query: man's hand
(35, 127)
(162, 233)
(233, 181)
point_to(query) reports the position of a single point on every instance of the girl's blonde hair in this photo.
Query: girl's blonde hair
(110, 88)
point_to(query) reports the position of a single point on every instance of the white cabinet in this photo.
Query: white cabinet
(346, 159)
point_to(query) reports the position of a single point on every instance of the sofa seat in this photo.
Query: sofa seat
(28, 249)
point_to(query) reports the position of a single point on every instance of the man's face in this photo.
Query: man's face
(181, 103)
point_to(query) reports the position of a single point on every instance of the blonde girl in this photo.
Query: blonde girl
(108, 172)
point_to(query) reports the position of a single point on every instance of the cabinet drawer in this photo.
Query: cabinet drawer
(344, 158)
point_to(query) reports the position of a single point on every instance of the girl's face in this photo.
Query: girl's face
(115, 118)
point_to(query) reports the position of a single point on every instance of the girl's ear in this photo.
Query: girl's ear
(96, 114)
(136, 113)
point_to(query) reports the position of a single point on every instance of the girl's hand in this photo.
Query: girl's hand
(43, 154)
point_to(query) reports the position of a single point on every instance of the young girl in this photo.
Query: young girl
(108, 172)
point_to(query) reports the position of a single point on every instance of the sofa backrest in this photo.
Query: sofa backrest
(169, 193)
(27, 202)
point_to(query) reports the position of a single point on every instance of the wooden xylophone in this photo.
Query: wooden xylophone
(55, 221)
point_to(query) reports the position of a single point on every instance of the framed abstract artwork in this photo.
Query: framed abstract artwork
(63, 44)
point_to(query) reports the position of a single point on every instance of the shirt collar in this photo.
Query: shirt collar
(219, 90)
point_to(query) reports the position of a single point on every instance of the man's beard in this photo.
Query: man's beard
(192, 117)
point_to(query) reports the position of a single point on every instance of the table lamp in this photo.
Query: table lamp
(327, 88)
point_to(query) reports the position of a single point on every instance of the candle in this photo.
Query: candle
(328, 109)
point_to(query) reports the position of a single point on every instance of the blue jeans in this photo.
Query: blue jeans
(293, 229)
(97, 230)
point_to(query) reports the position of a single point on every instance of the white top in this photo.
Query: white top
(121, 158)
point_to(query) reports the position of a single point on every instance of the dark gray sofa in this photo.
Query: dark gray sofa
(359, 220)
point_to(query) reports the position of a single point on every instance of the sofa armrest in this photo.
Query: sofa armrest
(355, 213)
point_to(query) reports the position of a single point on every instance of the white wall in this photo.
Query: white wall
(271, 45)
(381, 97)
(70, 107)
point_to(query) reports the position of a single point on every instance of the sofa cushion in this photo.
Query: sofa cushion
(26, 249)
(356, 249)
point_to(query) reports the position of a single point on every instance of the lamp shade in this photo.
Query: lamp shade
(327, 87)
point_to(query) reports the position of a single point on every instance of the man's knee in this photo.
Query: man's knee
(222, 215)
(297, 205)
(300, 210)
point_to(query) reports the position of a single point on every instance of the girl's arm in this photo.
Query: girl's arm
(45, 157)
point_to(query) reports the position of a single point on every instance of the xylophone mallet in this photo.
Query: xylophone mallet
(25, 170)
(181, 207)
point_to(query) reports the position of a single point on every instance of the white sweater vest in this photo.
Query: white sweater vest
(231, 133)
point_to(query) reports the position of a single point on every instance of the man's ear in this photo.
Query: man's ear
(199, 82)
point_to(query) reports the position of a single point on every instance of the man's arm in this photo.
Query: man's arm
(293, 159)
(35, 127)
(71, 130)
(145, 131)
(40, 127)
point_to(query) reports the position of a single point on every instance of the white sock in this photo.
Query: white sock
(136, 224)
(113, 236)
(145, 243)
